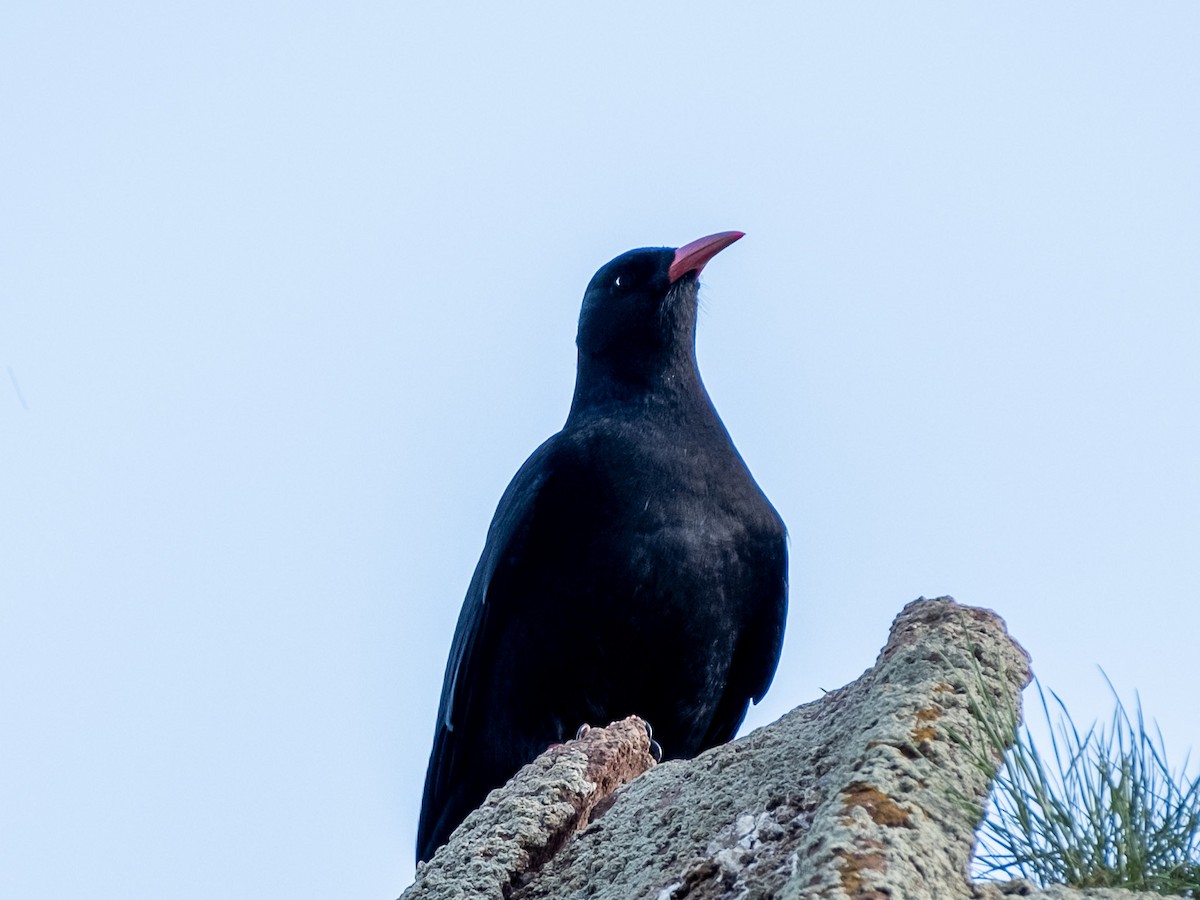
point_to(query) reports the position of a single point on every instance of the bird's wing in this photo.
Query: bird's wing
(508, 531)
(757, 652)
(766, 639)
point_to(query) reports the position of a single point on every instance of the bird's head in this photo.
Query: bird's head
(638, 323)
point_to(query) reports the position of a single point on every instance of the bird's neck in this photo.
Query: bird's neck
(672, 385)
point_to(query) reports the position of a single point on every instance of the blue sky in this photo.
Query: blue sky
(288, 292)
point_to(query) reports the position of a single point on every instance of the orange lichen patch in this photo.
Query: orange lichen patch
(882, 809)
(924, 735)
(944, 688)
(852, 869)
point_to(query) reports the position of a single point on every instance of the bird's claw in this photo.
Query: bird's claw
(655, 746)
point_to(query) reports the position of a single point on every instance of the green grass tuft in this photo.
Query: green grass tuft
(1100, 809)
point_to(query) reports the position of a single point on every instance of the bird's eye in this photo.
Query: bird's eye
(618, 282)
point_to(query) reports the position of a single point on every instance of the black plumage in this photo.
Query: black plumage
(633, 565)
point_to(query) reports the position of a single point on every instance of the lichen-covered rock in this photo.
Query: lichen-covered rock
(523, 824)
(873, 791)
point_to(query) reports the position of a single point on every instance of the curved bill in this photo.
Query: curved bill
(693, 257)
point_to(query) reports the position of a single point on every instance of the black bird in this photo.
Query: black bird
(633, 566)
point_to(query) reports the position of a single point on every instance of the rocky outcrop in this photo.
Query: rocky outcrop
(506, 842)
(873, 791)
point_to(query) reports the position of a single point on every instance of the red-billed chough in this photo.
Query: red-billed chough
(633, 565)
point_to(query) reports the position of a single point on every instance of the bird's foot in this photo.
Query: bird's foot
(655, 746)
(580, 733)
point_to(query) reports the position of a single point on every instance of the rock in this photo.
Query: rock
(520, 826)
(873, 791)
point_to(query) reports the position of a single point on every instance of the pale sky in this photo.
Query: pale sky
(288, 292)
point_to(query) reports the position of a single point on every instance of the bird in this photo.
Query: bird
(633, 565)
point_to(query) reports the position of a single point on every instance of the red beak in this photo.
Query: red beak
(693, 257)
